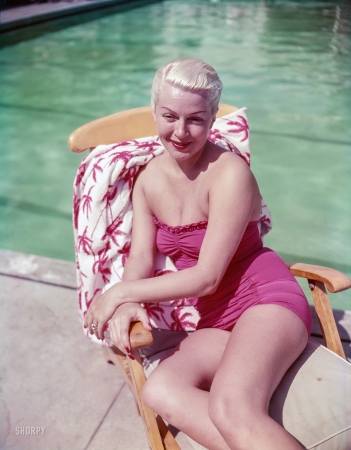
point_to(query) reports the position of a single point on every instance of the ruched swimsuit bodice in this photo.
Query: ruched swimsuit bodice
(255, 275)
(183, 243)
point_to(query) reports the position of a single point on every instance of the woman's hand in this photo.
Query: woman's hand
(101, 310)
(120, 324)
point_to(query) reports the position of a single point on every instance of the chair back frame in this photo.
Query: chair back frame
(122, 126)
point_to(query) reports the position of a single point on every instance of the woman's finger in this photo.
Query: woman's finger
(124, 336)
(119, 337)
(93, 327)
(86, 321)
(90, 321)
(100, 330)
(144, 319)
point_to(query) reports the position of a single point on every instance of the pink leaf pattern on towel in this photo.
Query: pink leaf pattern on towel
(154, 309)
(96, 168)
(101, 265)
(84, 242)
(102, 215)
(80, 174)
(76, 211)
(113, 231)
(124, 251)
(240, 126)
(86, 202)
(123, 156)
(183, 319)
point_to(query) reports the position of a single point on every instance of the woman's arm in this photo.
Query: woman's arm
(141, 259)
(233, 199)
(139, 265)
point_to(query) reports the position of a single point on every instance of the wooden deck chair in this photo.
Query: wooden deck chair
(137, 123)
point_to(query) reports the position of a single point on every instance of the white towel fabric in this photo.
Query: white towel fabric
(103, 218)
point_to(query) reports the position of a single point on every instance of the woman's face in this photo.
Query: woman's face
(183, 121)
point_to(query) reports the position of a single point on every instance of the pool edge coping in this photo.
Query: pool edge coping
(36, 13)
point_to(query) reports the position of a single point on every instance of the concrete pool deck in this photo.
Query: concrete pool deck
(57, 389)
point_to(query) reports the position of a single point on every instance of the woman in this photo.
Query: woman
(254, 318)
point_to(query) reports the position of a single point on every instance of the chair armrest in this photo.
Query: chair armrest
(318, 279)
(140, 337)
(334, 280)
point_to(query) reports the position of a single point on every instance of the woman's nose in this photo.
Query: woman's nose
(181, 130)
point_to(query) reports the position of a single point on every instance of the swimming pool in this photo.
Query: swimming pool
(287, 61)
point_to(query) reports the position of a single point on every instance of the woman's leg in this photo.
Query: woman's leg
(264, 343)
(178, 389)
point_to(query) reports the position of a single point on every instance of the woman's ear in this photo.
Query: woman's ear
(214, 117)
(213, 120)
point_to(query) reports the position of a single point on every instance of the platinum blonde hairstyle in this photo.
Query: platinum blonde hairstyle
(188, 74)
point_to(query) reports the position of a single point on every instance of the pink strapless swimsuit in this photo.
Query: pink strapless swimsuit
(255, 276)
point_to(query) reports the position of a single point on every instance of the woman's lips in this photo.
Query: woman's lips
(180, 145)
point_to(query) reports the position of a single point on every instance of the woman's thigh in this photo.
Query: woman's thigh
(195, 361)
(264, 343)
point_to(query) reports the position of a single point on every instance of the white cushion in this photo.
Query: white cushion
(312, 402)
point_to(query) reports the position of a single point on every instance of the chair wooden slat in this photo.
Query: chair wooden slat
(326, 318)
(122, 126)
(149, 418)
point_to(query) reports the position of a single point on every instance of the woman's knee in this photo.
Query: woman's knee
(220, 411)
(160, 395)
(152, 391)
(233, 422)
(232, 417)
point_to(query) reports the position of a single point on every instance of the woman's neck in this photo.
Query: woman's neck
(191, 167)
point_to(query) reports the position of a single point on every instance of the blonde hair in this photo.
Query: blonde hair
(189, 74)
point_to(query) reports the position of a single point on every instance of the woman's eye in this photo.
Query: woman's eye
(190, 119)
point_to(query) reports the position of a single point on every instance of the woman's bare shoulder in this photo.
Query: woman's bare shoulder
(231, 173)
(150, 170)
(229, 162)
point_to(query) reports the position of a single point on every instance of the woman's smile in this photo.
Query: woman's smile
(180, 145)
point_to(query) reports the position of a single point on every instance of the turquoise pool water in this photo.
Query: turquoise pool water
(287, 61)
